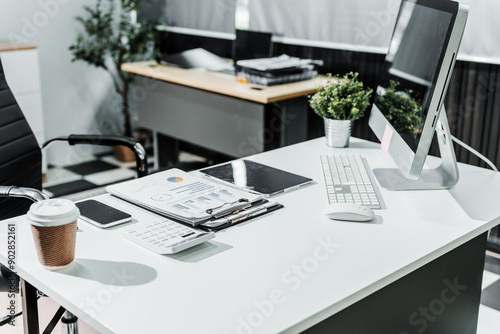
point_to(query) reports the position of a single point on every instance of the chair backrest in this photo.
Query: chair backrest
(20, 154)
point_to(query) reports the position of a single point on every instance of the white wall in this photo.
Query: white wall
(77, 98)
(367, 25)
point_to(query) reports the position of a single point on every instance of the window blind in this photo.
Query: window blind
(208, 15)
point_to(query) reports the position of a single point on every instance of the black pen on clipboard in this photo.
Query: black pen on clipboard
(241, 216)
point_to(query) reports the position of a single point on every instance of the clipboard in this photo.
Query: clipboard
(185, 197)
(256, 209)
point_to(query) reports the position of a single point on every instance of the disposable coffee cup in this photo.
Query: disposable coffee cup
(53, 224)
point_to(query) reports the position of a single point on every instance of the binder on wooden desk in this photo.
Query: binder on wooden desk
(189, 199)
(276, 70)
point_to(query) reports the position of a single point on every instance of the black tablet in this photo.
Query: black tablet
(257, 177)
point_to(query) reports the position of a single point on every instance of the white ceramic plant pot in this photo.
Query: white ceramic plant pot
(337, 132)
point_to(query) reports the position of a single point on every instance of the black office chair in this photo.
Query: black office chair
(21, 165)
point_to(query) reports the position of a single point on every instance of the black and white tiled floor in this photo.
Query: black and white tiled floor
(89, 176)
(86, 177)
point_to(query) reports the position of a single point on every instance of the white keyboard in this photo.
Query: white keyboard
(166, 236)
(347, 180)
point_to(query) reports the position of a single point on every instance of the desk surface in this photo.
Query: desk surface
(13, 46)
(224, 83)
(282, 272)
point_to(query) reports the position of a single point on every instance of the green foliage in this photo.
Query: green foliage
(400, 108)
(108, 32)
(103, 36)
(343, 98)
(94, 45)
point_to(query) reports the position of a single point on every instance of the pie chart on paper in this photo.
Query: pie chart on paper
(175, 179)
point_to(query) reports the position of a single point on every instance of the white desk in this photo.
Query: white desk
(291, 269)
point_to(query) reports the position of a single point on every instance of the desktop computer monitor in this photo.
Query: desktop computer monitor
(247, 45)
(252, 45)
(407, 110)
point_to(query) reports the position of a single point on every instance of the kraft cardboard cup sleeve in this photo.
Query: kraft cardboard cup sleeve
(53, 224)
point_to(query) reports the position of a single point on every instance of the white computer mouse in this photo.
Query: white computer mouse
(348, 212)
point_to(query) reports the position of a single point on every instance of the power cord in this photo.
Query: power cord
(476, 153)
(8, 318)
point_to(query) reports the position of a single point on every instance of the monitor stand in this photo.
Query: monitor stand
(445, 176)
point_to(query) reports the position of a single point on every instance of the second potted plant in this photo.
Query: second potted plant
(340, 101)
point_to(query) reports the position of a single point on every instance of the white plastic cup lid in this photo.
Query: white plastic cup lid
(53, 212)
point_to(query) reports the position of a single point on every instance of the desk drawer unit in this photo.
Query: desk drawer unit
(224, 124)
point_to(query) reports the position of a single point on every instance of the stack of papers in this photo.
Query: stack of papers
(179, 195)
(195, 58)
(277, 70)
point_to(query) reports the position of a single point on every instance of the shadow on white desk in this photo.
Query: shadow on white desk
(475, 193)
(362, 145)
(111, 272)
(200, 252)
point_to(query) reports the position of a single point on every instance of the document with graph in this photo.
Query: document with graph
(183, 196)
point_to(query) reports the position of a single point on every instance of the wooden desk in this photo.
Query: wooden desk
(217, 112)
(13, 46)
(224, 83)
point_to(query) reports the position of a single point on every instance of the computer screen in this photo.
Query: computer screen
(252, 45)
(415, 76)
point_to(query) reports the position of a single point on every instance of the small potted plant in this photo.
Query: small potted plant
(112, 33)
(340, 101)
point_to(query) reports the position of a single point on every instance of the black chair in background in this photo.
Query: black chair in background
(21, 178)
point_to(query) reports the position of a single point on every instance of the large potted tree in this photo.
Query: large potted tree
(112, 35)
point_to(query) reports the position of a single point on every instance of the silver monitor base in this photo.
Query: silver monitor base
(443, 177)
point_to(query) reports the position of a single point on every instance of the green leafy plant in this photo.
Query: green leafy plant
(110, 32)
(342, 98)
(401, 108)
